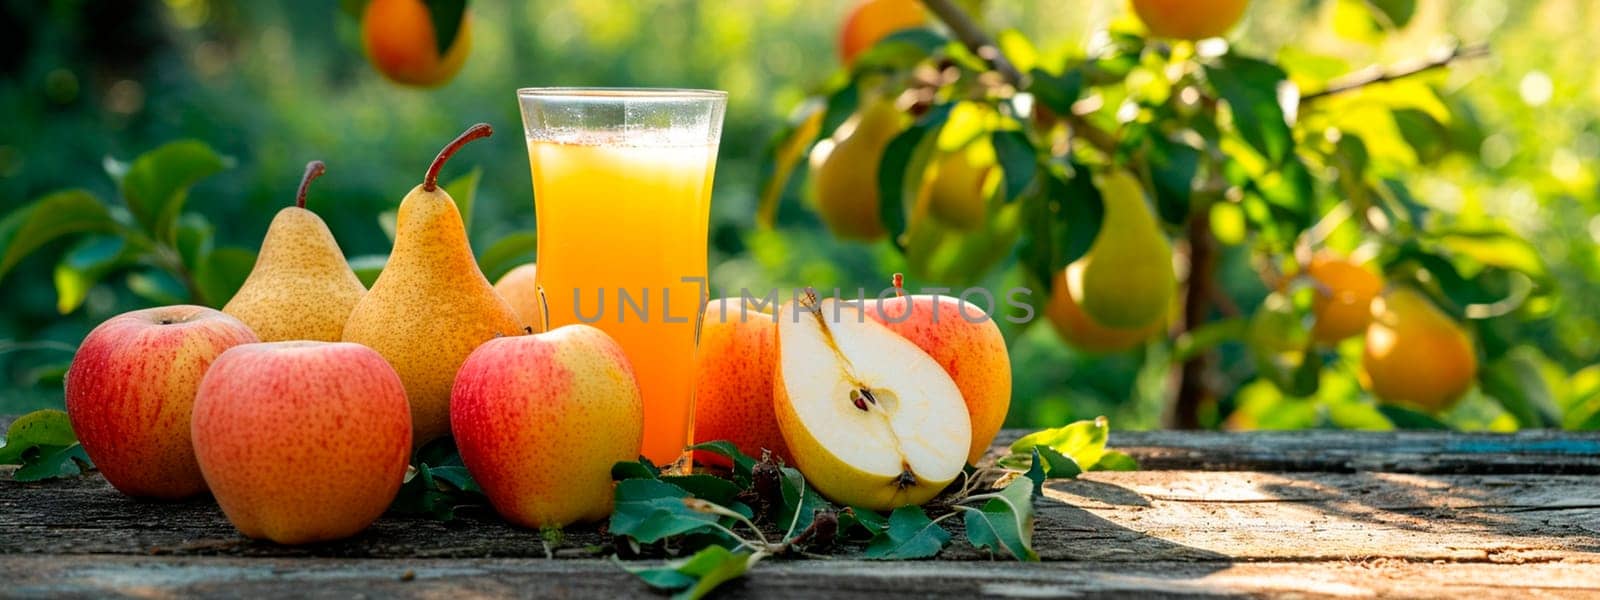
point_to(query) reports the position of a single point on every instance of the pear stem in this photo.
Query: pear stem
(314, 169)
(430, 182)
(899, 282)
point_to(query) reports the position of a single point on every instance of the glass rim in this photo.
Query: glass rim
(641, 93)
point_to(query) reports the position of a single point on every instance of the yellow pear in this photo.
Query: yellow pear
(1343, 300)
(1416, 355)
(1127, 280)
(1084, 333)
(301, 288)
(959, 194)
(431, 306)
(844, 171)
(519, 289)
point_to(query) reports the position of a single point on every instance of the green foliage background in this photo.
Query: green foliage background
(272, 85)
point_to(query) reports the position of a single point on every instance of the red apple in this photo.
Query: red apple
(540, 419)
(302, 441)
(964, 340)
(130, 390)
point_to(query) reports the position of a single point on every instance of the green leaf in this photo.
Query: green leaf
(157, 183)
(1057, 93)
(464, 190)
(47, 219)
(194, 240)
(1516, 383)
(52, 462)
(631, 469)
(89, 261)
(697, 575)
(423, 494)
(1062, 220)
(1405, 418)
(900, 173)
(223, 273)
(705, 487)
(457, 477)
(447, 16)
(900, 50)
(742, 463)
(48, 427)
(841, 104)
(1172, 169)
(1083, 441)
(1018, 161)
(507, 253)
(910, 535)
(800, 501)
(1495, 248)
(1040, 464)
(868, 521)
(1250, 87)
(1114, 460)
(368, 266)
(650, 510)
(159, 287)
(1005, 522)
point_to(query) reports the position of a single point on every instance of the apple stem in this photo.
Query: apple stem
(430, 181)
(899, 284)
(314, 169)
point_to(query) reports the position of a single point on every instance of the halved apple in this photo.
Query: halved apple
(871, 419)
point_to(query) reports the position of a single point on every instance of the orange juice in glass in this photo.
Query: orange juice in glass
(622, 192)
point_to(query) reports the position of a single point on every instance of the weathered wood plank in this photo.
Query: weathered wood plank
(1431, 452)
(234, 577)
(1105, 517)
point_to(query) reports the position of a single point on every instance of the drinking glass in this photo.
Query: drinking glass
(622, 192)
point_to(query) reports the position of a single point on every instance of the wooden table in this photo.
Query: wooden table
(1295, 514)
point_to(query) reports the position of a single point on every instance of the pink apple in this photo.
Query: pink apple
(130, 390)
(540, 419)
(302, 441)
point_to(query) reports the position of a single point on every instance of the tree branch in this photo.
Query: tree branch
(1375, 75)
(967, 30)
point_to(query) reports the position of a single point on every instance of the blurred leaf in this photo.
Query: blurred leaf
(49, 218)
(446, 16)
(1405, 418)
(1061, 222)
(159, 287)
(779, 157)
(910, 535)
(1005, 522)
(1250, 88)
(1515, 382)
(387, 220)
(900, 50)
(706, 487)
(507, 253)
(1209, 335)
(1017, 159)
(368, 266)
(89, 261)
(194, 240)
(900, 174)
(464, 190)
(1502, 249)
(1172, 169)
(1057, 93)
(48, 427)
(840, 105)
(223, 273)
(1016, 46)
(157, 183)
(693, 577)
(1425, 135)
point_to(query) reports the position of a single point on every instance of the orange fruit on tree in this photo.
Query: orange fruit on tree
(1189, 19)
(1416, 355)
(1342, 300)
(401, 42)
(873, 20)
